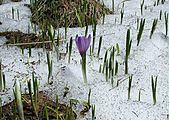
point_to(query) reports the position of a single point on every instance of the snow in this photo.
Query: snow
(151, 57)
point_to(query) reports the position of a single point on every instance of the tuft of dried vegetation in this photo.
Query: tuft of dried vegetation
(55, 12)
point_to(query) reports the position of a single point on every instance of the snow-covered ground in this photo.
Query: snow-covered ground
(151, 57)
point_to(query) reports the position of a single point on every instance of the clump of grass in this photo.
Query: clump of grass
(34, 95)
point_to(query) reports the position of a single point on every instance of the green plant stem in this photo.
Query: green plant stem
(84, 68)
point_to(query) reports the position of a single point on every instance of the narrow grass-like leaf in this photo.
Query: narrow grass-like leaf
(89, 95)
(153, 27)
(112, 80)
(99, 48)
(12, 13)
(137, 23)
(86, 31)
(118, 83)
(57, 107)
(142, 4)
(30, 51)
(112, 5)
(154, 89)
(4, 82)
(1, 107)
(129, 88)
(100, 68)
(107, 77)
(60, 117)
(31, 97)
(158, 1)
(58, 39)
(93, 112)
(112, 55)
(67, 48)
(18, 13)
(18, 99)
(70, 48)
(65, 26)
(79, 20)
(116, 68)
(110, 65)
(162, 1)
(160, 14)
(94, 37)
(46, 111)
(66, 113)
(14, 111)
(90, 50)
(122, 15)
(139, 95)
(105, 59)
(0, 74)
(128, 48)
(142, 23)
(70, 112)
(86, 105)
(117, 47)
(49, 61)
(166, 23)
(103, 12)
(22, 48)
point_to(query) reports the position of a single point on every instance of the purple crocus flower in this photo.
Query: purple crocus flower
(83, 44)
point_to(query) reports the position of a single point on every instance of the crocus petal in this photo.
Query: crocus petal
(88, 42)
(82, 44)
(79, 44)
